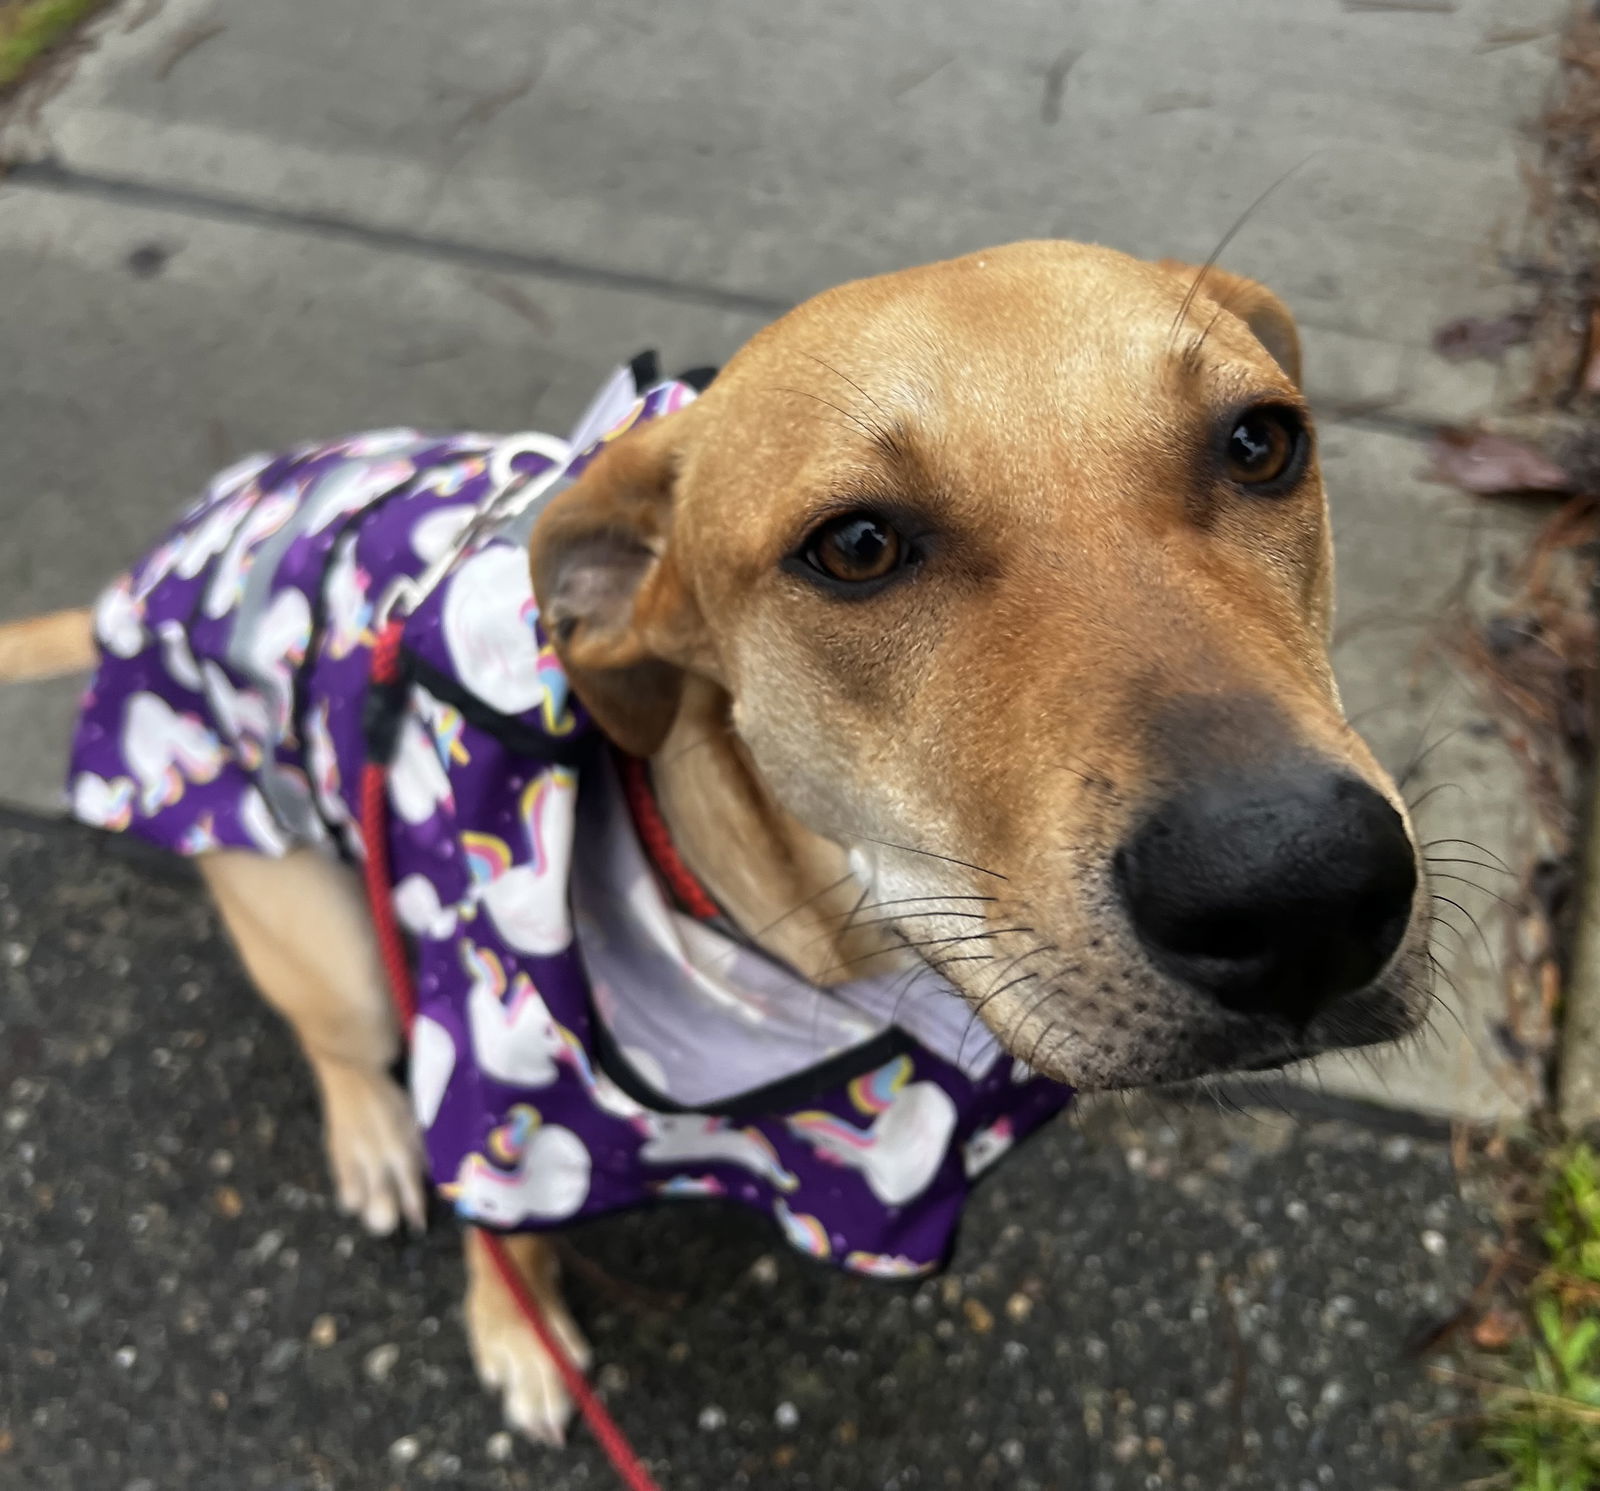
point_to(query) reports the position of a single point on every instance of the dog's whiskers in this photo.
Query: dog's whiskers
(1222, 244)
(1416, 762)
(1470, 844)
(1472, 920)
(1480, 864)
(860, 426)
(931, 854)
(921, 901)
(1416, 805)
(1482, 890)
(975, 1017)
(915, 946)
(883, 436)
(810, 900)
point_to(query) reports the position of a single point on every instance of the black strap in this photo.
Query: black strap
(512, 733)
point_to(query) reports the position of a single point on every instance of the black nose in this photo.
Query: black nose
(1274, 892)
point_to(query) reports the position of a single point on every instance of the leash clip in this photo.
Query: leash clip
(402, 594)
(506, 483)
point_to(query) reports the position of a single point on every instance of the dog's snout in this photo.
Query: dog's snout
(1273, 892)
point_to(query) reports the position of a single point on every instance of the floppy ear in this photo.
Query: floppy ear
(1266, 316)
(609, 594)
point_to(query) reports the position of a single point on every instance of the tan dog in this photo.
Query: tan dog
(1002, 585)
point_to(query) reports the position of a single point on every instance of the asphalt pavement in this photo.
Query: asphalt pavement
(1152, 1296)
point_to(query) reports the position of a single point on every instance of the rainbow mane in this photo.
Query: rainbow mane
(120, 814)
(525, 991)
(783, 1178)
(623, 425)
(452, 479)
(690, 1185)
(200, 836)
(557, 717)
(885, 1265)
(833, 1129)
(535, 796)
(578, 1056)
(510, 1139)
(874, 1092)
(449, 725)
(488, 858)
(162, 793)
(480, 963)
(805, 1232)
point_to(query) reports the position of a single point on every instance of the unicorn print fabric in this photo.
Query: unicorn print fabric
(582, 1045)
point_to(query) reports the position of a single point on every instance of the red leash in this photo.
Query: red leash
(656, 838)
(397, 965)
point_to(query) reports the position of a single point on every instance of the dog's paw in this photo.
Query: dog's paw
(512, 1364)
(374, 1150)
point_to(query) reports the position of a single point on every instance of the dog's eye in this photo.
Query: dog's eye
(855, 548)
(1264, 446)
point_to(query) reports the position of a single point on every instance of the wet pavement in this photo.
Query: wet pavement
(1148, 1297)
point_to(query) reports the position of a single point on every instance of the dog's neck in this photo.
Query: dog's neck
(789, 890)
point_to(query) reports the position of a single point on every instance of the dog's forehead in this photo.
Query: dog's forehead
(1065, 378)
(1070, 334)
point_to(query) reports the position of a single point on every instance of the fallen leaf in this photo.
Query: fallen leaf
(1497, 1330)
(1479, 336)
(1591, 370)
(1479, 462)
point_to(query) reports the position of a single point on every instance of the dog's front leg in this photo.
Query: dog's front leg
(506, 1352)
(301, 926)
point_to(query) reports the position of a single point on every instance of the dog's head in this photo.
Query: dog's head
(1015, 574)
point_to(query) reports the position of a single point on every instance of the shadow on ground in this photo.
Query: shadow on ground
(1182, 1299)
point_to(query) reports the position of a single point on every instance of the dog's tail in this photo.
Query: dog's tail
(47, 646)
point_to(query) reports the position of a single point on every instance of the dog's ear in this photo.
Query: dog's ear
(1266, 316)
(609, 594)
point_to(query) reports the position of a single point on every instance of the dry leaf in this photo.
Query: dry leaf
(1479, 462)
(1497, 1330)
(1479, 336)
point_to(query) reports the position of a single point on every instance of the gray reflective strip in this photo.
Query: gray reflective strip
(518, 528)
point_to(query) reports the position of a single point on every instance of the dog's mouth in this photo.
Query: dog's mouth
(1101, 1019)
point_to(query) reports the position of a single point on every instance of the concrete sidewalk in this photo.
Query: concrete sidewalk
(239, 224)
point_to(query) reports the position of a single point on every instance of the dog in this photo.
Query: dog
(973, 622)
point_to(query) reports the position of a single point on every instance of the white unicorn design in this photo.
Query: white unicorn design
(695, 1139)
(165, 749)
(900, 1152)
(514, 1039)
(549, 1184)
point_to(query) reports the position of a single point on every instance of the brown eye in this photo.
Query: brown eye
(1264, 447)
(854, 549)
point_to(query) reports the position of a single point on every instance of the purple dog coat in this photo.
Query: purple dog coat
(581, 1045)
